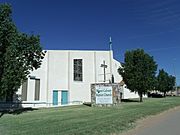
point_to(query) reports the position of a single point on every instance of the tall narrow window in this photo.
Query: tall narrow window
(78, 76)
(37, 89)
(24, 90)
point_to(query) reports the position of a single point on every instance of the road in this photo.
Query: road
(167, 123)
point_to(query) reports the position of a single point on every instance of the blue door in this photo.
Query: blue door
(64, 97)
(55, 97)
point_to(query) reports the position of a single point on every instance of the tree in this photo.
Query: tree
(162, 81)
(166, 82)
(138, 71)
(171, 83)
(20, 53)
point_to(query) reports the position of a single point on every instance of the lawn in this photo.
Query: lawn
(83, 120)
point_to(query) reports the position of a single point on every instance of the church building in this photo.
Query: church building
(65, 78)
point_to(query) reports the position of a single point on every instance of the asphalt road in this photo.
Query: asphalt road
(167, 123)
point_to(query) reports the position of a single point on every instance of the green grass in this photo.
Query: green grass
(83, 120)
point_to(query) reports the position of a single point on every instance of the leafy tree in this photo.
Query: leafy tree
(162, 81)
(19, 54)
(138, 71)
(165, 82)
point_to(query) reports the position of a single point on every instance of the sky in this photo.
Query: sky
(153, 25)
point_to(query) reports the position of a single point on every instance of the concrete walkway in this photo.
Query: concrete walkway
(166, 123)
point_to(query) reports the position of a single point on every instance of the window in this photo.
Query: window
(24, 90)
(37, 89)
(78, 76)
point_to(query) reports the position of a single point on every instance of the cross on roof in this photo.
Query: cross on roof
(104, 66)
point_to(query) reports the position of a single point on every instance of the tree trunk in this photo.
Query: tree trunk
(140, 96)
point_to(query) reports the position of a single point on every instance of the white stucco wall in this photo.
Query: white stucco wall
(40, 73)
(80, 91)
(128, 94)
(115, 65)
(56, 73)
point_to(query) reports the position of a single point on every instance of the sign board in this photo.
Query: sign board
(103, 94)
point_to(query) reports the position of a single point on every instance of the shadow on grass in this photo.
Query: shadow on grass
(87, 104)
(16, 111)
(122, 100)
(129, 100)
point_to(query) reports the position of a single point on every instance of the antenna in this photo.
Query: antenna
(110, 43)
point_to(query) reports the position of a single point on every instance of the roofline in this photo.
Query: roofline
(80, 50)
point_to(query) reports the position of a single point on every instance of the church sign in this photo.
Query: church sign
(104, 95)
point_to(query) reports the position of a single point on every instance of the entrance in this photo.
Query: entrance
(55, 97)
(64, 97)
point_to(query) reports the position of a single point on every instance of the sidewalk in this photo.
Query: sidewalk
(166, 123)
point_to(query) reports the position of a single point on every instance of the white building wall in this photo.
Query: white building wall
(100, 57)
(127, 94)
(115, 66)
(80, 91)
(56, 73)
(40, 73)
(61, 72)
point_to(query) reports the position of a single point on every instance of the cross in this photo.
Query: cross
(104, 66)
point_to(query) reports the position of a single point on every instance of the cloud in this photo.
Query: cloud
(158, 12)
(153, 34)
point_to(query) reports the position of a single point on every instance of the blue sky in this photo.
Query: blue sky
(153, 25)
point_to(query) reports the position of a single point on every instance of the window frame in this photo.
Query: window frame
(78, 70)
